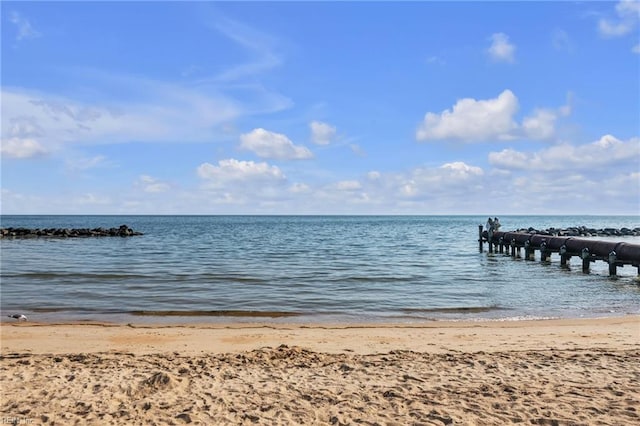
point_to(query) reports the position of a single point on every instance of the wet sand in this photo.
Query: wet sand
(534, 372)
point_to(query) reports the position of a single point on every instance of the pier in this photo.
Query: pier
(616, 254)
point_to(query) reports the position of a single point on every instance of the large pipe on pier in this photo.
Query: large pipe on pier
(629, 253)
(589, 250)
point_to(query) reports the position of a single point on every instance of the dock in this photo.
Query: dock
(588, 250)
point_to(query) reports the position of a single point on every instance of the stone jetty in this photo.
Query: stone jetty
(583, 231)
(122, 231)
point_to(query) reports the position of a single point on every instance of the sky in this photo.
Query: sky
(412, 108)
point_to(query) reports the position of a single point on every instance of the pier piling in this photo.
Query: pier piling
(564, 257)
(586, 260)
(612, 264)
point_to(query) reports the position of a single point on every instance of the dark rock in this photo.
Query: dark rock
(122, 231)
(582, 231)
(184, 417)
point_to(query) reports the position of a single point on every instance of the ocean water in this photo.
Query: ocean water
(301, 269)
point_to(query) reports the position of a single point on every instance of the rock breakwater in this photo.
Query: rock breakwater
(583, 231)
(122, 231)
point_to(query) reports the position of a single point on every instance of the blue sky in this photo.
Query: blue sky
(320, 108)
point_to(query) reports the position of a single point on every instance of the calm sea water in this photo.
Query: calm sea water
(313, 268)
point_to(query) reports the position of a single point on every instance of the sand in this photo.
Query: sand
(565, 372)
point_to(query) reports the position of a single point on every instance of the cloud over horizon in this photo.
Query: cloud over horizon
(606, 151)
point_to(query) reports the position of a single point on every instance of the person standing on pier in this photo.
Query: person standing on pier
(490, 225)
(496, 224)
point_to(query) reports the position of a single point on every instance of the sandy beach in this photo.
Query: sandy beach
(565, 372)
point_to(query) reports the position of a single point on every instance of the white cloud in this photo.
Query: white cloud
(244, 187)
(451, 186)
(262, 188)
(570, 192)
(22, 148)
(611, 29)
(624, 184)
(540, 125)
(165, 113)
(489, 120)
(152, 185)
(450, 181)
(510, 159)
(501, 49)
(234, 171)
(148, 110)
(636, 48)
(322, 133)
(25, 127)
(628, 17)
(25, 29)
(268, 144)
(630, 8)
(607, 151)
(461, 170)
(472, 120)
(374, 175)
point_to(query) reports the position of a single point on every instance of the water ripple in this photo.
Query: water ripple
(354, 267)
